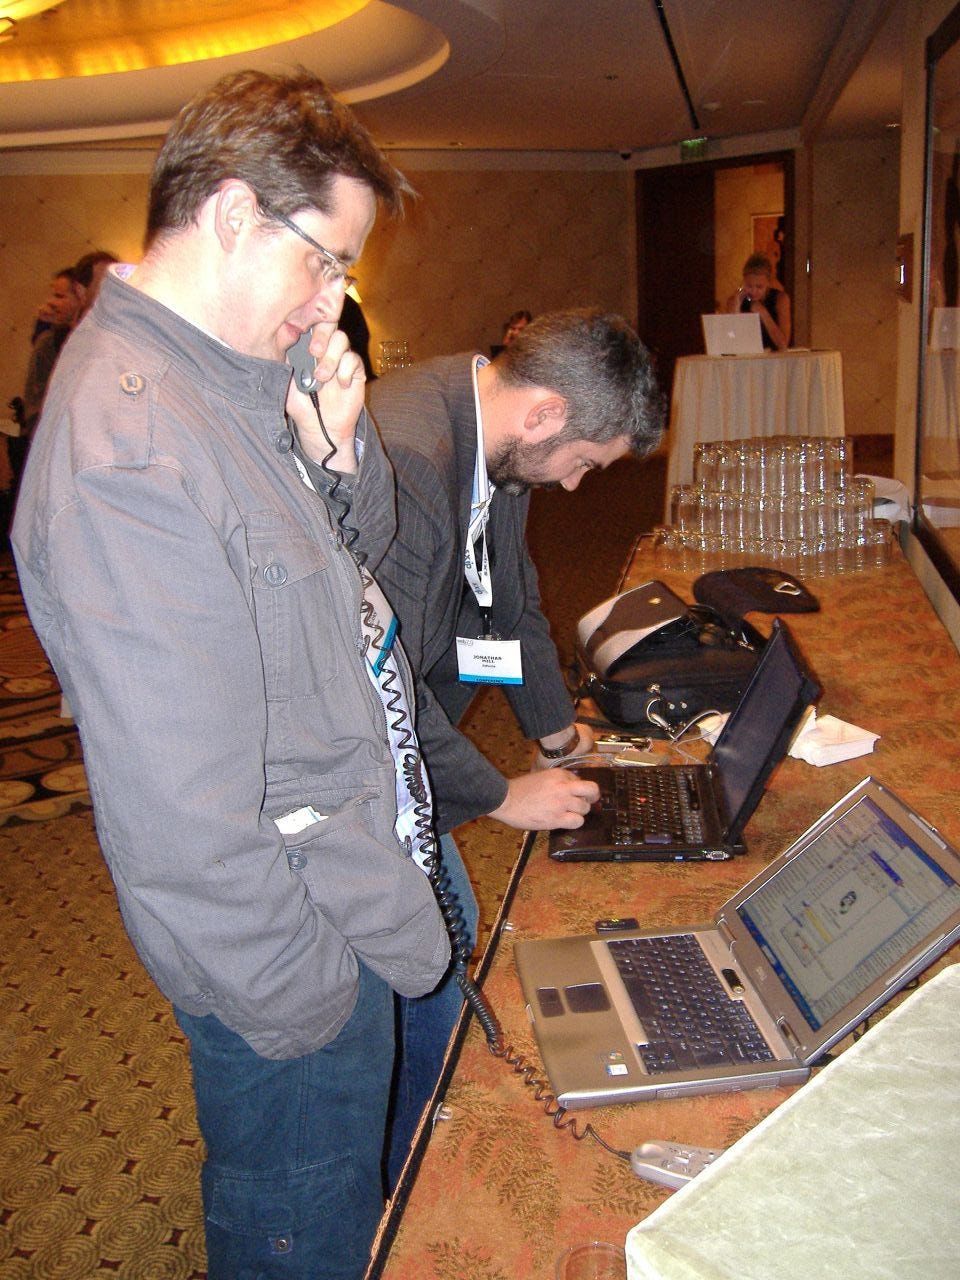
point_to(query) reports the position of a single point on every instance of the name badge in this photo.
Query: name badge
(489, 661)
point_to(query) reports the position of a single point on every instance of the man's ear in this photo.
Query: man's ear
(544, 418)
(233, 210)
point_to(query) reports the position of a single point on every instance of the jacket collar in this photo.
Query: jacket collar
(243, 380)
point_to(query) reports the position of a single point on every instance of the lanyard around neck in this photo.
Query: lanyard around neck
(476, 564)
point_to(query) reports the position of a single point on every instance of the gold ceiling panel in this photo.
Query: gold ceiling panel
(100, 37)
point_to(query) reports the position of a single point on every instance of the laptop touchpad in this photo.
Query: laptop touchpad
(587, 997)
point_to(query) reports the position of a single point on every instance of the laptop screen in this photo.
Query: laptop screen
(851, 905)
(738, 334)
(755, 738)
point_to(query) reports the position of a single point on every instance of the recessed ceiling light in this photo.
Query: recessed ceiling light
(754, 102)
(712, 106)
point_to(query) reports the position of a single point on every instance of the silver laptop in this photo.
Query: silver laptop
(737, 334)
(856, 907)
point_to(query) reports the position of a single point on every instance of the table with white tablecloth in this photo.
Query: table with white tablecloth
(732, 397)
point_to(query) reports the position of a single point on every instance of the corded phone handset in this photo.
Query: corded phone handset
(303, 363)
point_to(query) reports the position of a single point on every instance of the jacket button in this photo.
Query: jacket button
(131, 384)
(284, 442)
(275, 575)
(296, 860)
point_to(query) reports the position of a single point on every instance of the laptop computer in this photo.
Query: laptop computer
(737, 334)
(863, 901)
(692, 812)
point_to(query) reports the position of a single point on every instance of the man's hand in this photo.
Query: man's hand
(546, 799)
(340, 391)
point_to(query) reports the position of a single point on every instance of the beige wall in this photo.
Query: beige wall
(738, 194)
(853, 296)
(474, 247)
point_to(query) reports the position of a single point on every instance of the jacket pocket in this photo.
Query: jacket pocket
(290, 575)
(375, 896)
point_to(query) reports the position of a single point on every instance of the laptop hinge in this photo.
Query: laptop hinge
(725, 932)
(788, 1033)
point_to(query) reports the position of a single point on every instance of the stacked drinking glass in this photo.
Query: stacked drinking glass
(787, 501)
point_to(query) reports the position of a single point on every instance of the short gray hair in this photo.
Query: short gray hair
(596, 362)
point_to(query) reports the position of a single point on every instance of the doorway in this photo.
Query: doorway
(696, 224)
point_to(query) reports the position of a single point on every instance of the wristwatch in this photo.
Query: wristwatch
(565, 749)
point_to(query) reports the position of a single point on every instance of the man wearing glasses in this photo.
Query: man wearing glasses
(195, 540)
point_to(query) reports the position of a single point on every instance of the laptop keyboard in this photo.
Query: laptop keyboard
(690, 1019)
(655, 806)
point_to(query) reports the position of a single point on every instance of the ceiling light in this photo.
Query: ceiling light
(19, 10)
(15, 11)
(100, 37)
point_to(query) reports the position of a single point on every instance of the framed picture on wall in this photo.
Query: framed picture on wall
(767, 230)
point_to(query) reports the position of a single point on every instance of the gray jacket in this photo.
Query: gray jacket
(427, 418)
(203, 617)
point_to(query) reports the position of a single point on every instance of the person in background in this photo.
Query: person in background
(60, 308)
(513, 325)
(59, 303)
(354, 324)
(468, 438)
(763, 294)
(88, 273)
(198, 564)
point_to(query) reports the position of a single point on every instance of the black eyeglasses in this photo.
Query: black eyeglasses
(332, 269)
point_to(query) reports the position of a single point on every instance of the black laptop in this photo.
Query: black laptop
(691, 812)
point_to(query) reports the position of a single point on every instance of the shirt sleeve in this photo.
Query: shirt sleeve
(542, 704)
(366, 497)
(465, 784)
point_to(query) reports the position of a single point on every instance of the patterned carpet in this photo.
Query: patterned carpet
(99, 1149)
(41, 775)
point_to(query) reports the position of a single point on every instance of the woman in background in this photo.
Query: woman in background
(763, 294)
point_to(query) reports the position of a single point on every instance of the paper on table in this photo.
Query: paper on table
(826, 740)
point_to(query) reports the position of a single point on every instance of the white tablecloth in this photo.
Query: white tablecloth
(796, 393)
(855, 1175)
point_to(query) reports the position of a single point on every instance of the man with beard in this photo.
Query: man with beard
(468, 438)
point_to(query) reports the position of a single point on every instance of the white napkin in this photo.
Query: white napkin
(825, 740)
(891, 501)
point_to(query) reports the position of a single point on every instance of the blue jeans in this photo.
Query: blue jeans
(292, 1184)
(424, 1025)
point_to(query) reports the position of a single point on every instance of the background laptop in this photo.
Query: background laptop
(700, 809)
(861, 903)
(732, 335)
